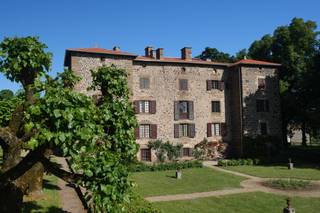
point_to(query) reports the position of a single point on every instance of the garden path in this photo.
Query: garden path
(70, 201)
(252, 184)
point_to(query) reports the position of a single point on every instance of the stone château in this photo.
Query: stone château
(184, 100)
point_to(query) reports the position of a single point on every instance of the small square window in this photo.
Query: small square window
(262, 105)
(215, 106)
(186, 152)
(215, 84)
(144, 83)
(145, 154)
(183, 130)
(183, 84)
(144, 106)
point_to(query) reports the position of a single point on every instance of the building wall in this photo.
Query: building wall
(250, 93)
(241, 88)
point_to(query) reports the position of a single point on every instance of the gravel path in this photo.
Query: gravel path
(70, 201)
(252, 184)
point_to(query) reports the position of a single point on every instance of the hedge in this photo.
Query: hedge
(238, 162)
(142, 167)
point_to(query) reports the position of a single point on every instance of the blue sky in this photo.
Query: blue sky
(172, 24)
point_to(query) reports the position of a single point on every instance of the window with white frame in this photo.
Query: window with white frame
(183, 130)
(144, 106)
(144, 131)
(216, 129)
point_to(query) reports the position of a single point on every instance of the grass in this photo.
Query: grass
(193, 180)
(257, 202)
(278, 172)
(288, 184)
(49, 202)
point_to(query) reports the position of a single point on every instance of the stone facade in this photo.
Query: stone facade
(235, 87)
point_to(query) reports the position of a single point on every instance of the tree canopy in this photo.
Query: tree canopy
(97, 134)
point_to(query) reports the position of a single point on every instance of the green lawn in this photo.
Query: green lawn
(193, 180)
(278, 172)
(49, 202)
(258, 202)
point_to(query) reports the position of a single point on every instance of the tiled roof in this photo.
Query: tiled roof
(254, 62)
(172, 60)
(101, 51)
(179, 60)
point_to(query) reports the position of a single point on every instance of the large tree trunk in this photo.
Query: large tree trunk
(304, 134)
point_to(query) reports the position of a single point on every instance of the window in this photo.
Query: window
(184, 130)
(263, 128)
(144, 106)
(215, 106)
(144, 131)
(186, 152)
(183, 110)
(144, 83)
(261, 83)
(262, 105)
(145, 154)
(215, 85)
(183, 84)
(216, 129)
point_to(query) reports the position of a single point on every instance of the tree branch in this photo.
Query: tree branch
(64, 175)
(8, 138)
(24, 165)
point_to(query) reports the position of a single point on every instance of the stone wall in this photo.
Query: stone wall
(250, 92)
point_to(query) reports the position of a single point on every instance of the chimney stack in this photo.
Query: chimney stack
(159, 53)
(186, 53)
(148, 51)
(116, 48)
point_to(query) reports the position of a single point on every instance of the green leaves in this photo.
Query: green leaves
(22, 59)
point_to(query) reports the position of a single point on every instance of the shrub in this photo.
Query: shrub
(165, 150)
(141, 167)
(288, 184)
(238, 162)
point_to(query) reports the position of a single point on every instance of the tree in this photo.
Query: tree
(96, 134)
(6, 94)
(294, 46)
(215, 55)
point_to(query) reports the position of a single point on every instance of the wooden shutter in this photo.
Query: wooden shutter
(176, 110)
(223, 129)
(136, 107)
(153, 107)
(137, 132)
(191, 111)
(176, 130)
(209, 84)
(209, 130)
(191, 130)
(153, 131)
(221, 85)
(267, 105)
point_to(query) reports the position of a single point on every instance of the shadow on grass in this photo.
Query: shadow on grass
(48, 185)
(171, 176)
(31, 206)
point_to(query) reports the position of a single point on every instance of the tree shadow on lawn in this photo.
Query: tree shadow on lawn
(31, 206)
(48, 185)
(298, 165)
(171, 176)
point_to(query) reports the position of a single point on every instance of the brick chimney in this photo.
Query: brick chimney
(186, 53)
(159, 53)
(148, 51)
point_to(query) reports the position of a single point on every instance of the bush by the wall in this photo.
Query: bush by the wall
(238, 162)
(142, 167)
